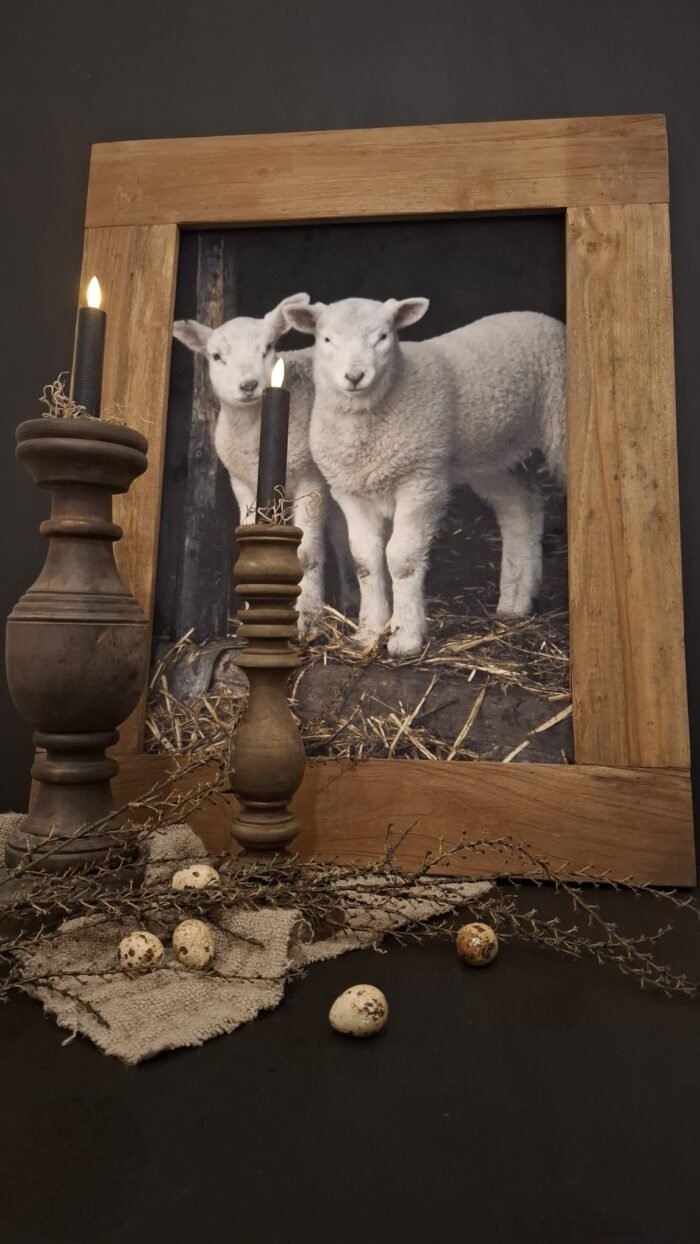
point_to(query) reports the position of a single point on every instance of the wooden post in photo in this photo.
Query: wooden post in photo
(267, 761)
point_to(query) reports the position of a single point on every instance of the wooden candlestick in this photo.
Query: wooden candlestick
(268, 754)
(77, 642)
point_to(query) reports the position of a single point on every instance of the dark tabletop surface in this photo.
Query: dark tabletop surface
(540, 1100)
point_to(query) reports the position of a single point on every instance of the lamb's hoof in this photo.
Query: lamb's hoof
(512, 615)
(401, 644)
(366, 639)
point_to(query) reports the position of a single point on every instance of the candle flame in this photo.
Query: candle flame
(94, 293)
(277, 377)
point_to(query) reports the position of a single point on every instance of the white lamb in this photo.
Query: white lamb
(241, 355)
(396, 424)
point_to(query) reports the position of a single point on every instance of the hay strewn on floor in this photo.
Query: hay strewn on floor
(177, 725)
(360, 704)
(527, 653)
(481, 689)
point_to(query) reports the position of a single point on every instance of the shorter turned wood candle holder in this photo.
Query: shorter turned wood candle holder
(267, 755)
(77, 645)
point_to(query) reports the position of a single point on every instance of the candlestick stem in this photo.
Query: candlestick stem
(268, 755)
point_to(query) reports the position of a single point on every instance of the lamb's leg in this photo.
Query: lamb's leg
(309, 514)
(245, 500)
(337, 529)
(366, 535)
(419, 508)
(519, 509)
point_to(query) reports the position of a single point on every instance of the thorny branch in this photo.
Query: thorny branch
(347, 897)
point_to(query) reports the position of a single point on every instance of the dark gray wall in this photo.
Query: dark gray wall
(82, 72)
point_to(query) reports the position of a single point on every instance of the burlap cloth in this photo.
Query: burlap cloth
(134, 1018)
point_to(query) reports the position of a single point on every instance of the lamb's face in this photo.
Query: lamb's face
(242, 353)
(355, 343)
(241, 356)
(356, 340)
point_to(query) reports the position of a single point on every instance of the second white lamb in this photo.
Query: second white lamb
(395, 425)
(240, 355)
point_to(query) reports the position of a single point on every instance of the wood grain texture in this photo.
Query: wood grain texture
(625, 807)
(628, 667)
(403, 171)
(624, 822)
(137, 268)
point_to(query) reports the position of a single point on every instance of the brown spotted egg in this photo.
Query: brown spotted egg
(196, 877)
(477, 944)
(140, 951)
(193, 943)
(359, 1012)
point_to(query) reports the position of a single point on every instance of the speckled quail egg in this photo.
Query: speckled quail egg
(361, 1011)
(196, 877)
(193, 943)
(140, 951)
(477, 944)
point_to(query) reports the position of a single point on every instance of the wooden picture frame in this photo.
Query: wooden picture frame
(624, 807)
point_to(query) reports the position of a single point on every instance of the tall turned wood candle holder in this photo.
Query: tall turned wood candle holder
(268, 754)
(77, 643)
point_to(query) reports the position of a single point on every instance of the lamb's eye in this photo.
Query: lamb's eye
(327, 340)
(216, 358)
(383, 336)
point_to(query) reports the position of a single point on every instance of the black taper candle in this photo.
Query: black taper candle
(272, 464)
(86, 384)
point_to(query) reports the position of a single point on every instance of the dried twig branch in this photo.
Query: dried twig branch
(353, 897)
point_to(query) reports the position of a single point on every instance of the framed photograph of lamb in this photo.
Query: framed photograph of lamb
(423, 467)
(476, 330)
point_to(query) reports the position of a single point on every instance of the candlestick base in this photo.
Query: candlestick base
(77, 648)
(268, 755)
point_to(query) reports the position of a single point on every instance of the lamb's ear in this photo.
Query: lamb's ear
(303, 317)
(276, 318)
(407, 311)
(192, 334)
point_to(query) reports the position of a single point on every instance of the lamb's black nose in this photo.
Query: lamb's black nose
(354, 376)
(248, 386)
